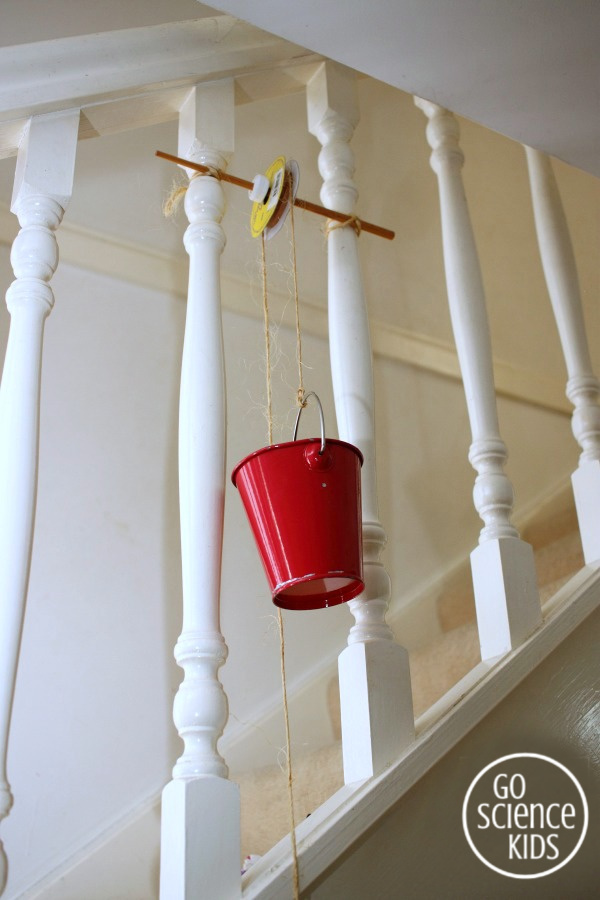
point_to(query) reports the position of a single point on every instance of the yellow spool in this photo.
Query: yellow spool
(262, 213)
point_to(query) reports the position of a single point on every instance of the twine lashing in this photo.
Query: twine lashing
(178, 191)
(352, 222)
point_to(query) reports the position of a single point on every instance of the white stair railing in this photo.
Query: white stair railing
(504, 579)
(42, 190)
(200, 842)
(375, 691)
(583, 388)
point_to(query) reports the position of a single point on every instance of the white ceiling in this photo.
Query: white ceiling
(23, 24)
(529, 69)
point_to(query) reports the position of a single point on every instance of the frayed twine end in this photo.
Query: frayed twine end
(171, 204)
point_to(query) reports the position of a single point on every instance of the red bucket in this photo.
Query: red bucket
(302, 499)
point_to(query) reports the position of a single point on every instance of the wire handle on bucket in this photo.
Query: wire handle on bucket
(321, 417)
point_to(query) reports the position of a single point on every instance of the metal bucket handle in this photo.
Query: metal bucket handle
(321, 417)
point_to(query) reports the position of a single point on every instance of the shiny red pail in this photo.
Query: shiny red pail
(302, 499)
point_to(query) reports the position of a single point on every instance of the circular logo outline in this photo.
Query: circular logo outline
(554, 762)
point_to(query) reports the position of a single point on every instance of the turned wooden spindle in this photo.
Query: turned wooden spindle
(583, 388)
(200, 847)
(43, 185)
(504, 578)
(375, 692)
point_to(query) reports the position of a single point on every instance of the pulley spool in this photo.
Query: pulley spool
(303, 502)
(272, 194)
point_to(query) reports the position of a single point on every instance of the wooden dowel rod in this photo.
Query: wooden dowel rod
(224, 176)
(342, 217)
(301, 204)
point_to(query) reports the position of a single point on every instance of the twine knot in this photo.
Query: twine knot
(210, 170)
(352, 221)
(300, 398)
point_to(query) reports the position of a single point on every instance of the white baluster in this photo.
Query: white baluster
(504, 579)
(200, 852)
(583, 388)
(375, 692)
(43, 185)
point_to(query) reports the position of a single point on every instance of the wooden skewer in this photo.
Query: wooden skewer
(302, 204)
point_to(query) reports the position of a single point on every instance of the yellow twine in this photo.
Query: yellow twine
(286, 713)
(352, 221)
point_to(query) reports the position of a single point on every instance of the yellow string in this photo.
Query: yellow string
(286, 712)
